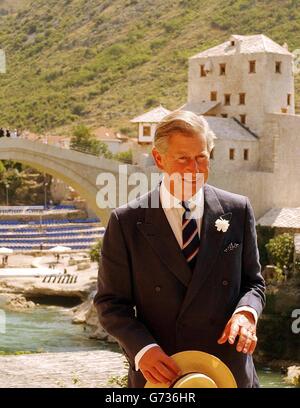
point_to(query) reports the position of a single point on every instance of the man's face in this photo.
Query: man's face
(188, 158)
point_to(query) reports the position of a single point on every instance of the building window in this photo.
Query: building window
(222, 69)
(231, 154)
(232, 43)
(202, 71)
(243, 119)
(246, 154)
(242, 98)
(224, 115)
(146, 130)
(213, 96)
(252, 67)
(278, 67)
(289, 99)
(227, 99)
(212, 154)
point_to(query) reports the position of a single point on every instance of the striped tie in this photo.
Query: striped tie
(190, 236)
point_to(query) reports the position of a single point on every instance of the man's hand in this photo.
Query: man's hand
(242, 324)
(158, 367)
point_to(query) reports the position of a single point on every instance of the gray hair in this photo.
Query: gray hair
(185, 122)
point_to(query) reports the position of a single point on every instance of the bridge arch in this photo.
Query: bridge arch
(79, 170)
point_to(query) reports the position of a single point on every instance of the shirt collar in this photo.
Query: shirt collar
(169, 201)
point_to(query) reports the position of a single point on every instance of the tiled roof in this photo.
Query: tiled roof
(281, 218)
(223, 128)
(244, 44)
(153, 116)
(229, 129)
(199, 108)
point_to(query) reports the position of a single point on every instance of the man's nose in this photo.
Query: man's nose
(193, 166)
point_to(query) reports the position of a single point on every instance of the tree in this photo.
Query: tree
(83, 141)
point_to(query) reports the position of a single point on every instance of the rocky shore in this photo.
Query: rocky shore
(86, 313)
(31, 287)
(18, 303)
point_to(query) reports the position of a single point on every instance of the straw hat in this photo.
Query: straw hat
(199, 370)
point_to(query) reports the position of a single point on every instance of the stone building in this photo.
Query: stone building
(245, 89)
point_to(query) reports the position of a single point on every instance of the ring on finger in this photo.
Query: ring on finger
(251, 335)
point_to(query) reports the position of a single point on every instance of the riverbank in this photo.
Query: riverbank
(87, 369)
(82, 369)
(83, 273)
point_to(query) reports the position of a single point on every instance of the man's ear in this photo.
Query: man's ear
(157, 158)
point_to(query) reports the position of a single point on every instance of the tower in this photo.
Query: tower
(246, 77)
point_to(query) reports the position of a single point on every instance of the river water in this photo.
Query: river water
(49, 329)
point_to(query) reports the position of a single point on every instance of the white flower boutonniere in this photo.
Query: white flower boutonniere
(222, 225)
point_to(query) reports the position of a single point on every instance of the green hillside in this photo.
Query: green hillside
(12, 6)
(104, 62)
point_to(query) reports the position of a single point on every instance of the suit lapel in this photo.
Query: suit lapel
(156, 229)
(210, 243)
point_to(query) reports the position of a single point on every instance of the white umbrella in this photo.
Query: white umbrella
(6, 251)
(60, 248)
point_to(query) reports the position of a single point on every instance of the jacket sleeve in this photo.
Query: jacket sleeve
(252, 282)
(114, 299)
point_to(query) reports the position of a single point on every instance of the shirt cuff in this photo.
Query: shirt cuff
(140, 354)
(247, 309)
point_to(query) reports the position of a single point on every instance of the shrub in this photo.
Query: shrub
(116, 50)
(124, 157)
(119, 380)
(125, 130)
(95, 251)
(31, 29)
(51, 76)
(78, 110)
(151, 102)
(281, 250)
(157, 44)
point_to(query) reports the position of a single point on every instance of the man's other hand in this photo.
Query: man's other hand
(157, 367)
(241, 324)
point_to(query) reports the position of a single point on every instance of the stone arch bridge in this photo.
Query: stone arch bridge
(79, 170)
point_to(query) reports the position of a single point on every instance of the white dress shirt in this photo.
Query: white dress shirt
(174, 211)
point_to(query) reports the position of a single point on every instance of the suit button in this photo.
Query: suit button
(157, 288)
(225, 282)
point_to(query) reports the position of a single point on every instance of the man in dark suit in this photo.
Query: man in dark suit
(183, 274)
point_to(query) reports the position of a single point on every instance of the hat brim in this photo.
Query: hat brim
(193, 361)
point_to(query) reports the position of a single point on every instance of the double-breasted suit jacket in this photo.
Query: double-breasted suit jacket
(148, 294)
